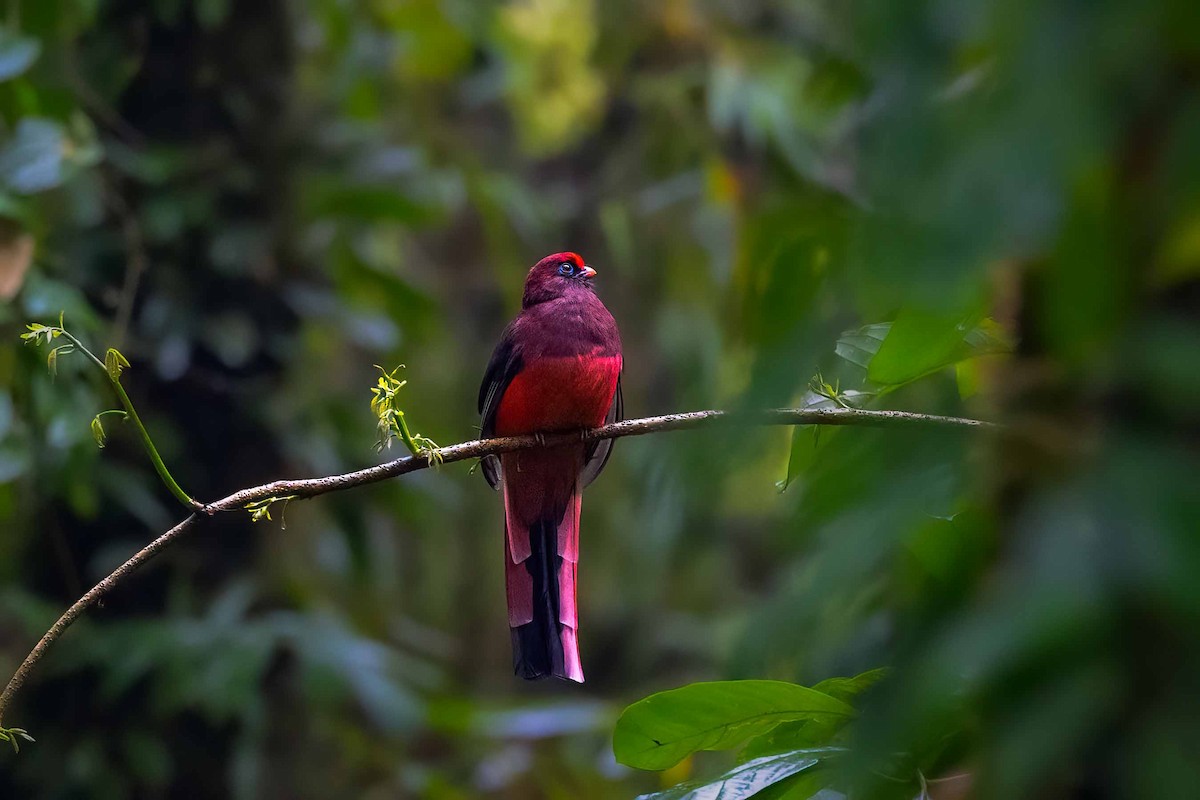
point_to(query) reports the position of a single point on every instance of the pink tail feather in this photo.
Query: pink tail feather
(541, 558)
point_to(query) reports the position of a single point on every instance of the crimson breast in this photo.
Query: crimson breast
(556, 394)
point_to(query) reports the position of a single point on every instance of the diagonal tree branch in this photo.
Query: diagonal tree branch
(311, 487)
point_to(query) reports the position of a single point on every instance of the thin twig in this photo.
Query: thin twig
(114, 379)
(311, 487)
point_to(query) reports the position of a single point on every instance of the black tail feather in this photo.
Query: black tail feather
(537, 646)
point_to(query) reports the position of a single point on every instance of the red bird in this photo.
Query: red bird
(557, 368)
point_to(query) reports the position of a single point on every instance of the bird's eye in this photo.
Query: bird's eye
(566, 269)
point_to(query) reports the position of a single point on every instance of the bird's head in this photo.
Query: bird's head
(556, 275)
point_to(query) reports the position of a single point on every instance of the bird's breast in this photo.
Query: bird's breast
(564, 393)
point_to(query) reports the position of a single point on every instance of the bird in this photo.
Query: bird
(557, 368)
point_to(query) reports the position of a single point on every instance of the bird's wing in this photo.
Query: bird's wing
(598, 453)
(503, 367)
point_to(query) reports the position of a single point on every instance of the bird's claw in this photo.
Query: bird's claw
(540, 438)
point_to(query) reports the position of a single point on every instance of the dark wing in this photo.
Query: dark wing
(598, 453)
(505, 364)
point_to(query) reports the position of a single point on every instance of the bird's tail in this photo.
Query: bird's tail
(540, 579)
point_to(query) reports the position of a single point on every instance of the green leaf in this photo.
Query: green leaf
(261, 509)
(860, 346)
(17, 54)
(802, 454)
(920, 343)
(803, 451)
(749, 779)
(11, 735)
(52, 357)
(662, 729)
(114, 362)
(98, 432)
(847, 689)
(813, 732)
(917, 344)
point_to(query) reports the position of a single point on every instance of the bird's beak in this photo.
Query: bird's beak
(587, 273)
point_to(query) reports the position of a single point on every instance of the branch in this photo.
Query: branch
(312, 487)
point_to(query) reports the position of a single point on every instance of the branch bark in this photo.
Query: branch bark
(312, 487)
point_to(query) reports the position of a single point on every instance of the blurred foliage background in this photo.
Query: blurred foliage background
(257, 201)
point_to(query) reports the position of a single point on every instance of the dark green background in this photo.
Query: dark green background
(257, 201)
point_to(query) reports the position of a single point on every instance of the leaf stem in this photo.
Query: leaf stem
(406, 435)
(71, 338)
(152, 451)
(147, 442)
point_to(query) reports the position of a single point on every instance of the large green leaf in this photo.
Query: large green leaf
(817, 731)
(806, 438)
(917, 344)
(749, 779)
(920, 342)
(847, 689)
(664, 728)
